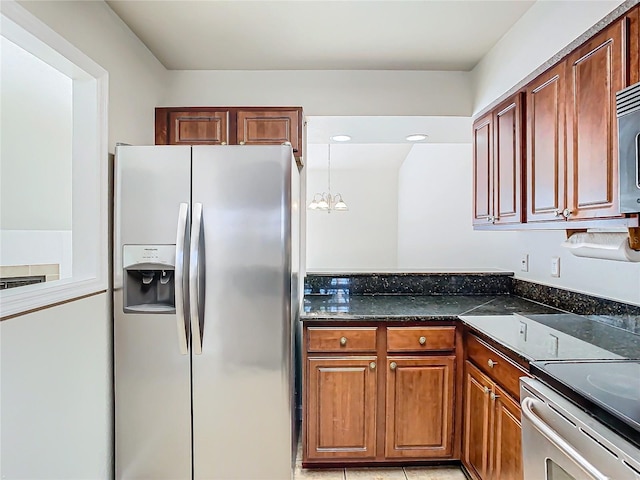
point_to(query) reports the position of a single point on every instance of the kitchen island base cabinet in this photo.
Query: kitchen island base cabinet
(419, 407)
(341, 409)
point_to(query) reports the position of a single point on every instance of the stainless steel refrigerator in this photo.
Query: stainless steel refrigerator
(206, 302)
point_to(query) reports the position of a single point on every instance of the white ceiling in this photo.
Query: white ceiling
(354, 157)
(320, 35)
(388, 129)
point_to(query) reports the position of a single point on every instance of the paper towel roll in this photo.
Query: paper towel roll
(605, 245)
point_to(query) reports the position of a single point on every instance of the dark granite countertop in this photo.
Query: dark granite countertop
(345, 307)
(551, 333)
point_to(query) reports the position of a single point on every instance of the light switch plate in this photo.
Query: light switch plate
(555, 266)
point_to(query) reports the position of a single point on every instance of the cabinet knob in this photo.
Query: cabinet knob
(422, 340)
(493, 396)
(566, 213)
(286, 144)
(491, 363)
(372, 365)
(223, 143)
(343, 341)
(241, 143)
(393, 365)
(486, 390)
(557, 212)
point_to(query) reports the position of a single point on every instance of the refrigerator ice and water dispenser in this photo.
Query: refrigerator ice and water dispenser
(149, 278)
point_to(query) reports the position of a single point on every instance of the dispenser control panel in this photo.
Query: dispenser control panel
(151, 254)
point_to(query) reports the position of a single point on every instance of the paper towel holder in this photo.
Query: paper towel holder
(634, 236)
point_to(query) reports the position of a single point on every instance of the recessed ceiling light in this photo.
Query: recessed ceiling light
(416, 137)
(341, 138)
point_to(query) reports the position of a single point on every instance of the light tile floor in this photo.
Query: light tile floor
(386, 473)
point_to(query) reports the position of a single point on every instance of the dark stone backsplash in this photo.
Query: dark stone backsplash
(617, 314)
(409, 283)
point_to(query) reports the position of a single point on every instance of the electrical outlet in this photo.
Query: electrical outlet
(555, 266)
(552, 345)
(524, 262)
(523, 330)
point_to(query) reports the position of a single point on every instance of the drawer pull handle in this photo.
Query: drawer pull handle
(486, 390)
(491, 363)
(422, 340)
(343, 341)
(372, 365)
(393, 365)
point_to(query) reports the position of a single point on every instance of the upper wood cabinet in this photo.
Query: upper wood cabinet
(595, 72)
(546, 152)
(569, 133)
(482, 170)
(231, 126)
(497, 156)
(209, 127)
(634, 45)
(269, 127)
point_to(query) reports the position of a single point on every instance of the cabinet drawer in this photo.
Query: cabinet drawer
(499, 368)
(327, 339)
(415, 339)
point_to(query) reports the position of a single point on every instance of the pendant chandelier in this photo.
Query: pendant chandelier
(325, 201)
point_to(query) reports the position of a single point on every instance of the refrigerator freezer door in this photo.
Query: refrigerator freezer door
(242, 392)
(152, 385)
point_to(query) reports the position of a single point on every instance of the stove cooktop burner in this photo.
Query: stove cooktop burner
(607, 389)
(616, 384)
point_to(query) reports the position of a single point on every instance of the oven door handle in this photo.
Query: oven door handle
(560, 443)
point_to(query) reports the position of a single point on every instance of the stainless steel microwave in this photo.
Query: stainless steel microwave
(628, 111)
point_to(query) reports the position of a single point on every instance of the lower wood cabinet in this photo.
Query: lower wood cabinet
(378, 394)
(419, 407)
(492, 446)
(341, 407)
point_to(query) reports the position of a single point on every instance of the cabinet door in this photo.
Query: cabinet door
(341, 407)
(482, 170)
(477, 421)
(507, 161)
(268, 127)
(208, 127)
(507, 438)
(634, 46)
(419, 407)
(595, 72)
(546, 155)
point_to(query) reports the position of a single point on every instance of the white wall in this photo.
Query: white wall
(543, 31)
(364, 238)
(435, 198)
(56, 364)
(327, 92)
(137, 80)
(35, 175)
(56, 418)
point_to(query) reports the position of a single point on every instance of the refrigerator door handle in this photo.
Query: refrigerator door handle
(182, 240)
(197, 280)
